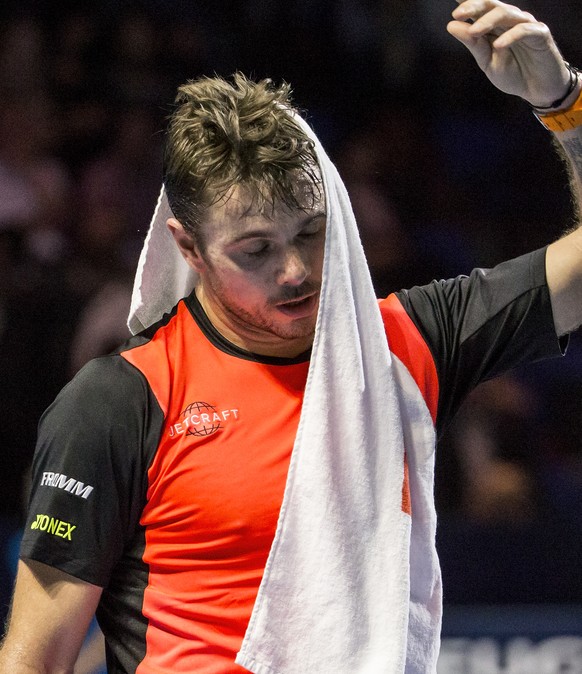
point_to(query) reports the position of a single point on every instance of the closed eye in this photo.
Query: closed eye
(313, 228)
(257, 251)
(309, 234)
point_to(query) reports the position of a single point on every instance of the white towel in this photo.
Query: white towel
(338, 586)
(162, 277)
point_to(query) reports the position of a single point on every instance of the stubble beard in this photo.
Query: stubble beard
(257, 321)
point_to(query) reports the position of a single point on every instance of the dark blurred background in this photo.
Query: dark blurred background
(445, 173)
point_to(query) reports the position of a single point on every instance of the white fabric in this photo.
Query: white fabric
(162, 277)
(338, 586)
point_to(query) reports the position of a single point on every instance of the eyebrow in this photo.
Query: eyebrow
(261, 234)
(252, 234)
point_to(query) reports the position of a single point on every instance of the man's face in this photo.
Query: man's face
(260, 273)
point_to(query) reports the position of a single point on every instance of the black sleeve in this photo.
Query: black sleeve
(484, 324)
(89, 474)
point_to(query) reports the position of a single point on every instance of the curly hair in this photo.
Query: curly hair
(223, 134)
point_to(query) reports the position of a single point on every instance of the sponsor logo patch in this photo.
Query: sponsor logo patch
(54, 526)
(201, 419)
(69, 484)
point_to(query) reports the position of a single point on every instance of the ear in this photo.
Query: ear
(186, 244)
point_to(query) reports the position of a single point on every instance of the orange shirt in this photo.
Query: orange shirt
(215, 489)
(216, 485)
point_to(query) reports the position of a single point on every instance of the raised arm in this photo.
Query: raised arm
(520, 57)
(50, 614)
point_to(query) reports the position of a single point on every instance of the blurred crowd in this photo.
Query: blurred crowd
(444, 173)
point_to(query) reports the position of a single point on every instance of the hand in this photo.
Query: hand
(516, 52)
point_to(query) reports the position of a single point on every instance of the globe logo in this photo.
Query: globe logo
(203, 419)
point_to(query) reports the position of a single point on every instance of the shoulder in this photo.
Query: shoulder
(107, 381)
(108, 401)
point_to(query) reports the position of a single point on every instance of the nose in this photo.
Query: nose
(294, 268)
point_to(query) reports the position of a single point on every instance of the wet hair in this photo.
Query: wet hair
(227, 133)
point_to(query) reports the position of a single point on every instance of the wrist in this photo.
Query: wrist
(565, 113)
(571, 89)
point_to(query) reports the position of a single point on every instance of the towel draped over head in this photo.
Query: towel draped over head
(352, 583)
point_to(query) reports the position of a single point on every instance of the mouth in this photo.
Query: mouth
(299, 308)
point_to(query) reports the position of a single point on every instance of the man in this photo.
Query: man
(157, 506)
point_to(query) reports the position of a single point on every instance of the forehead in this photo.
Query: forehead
(241, 208)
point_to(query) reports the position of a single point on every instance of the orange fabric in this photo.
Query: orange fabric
(406, 502)
(407, 344)
(216, 485)
(209, 520)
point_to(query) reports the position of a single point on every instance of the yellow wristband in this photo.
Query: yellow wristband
(563, 120)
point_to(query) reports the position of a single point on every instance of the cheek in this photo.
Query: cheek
(317, 261)
(242, 286)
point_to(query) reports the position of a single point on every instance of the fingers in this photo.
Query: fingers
(537, 36)
(501, 24)
(489, 12)
(479, 47)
